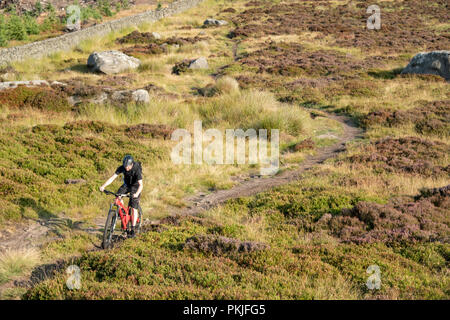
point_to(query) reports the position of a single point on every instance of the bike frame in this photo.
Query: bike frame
(124, 213)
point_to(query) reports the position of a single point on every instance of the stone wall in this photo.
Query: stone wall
(70, 40)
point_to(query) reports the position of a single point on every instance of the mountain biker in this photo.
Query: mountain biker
(132, 177)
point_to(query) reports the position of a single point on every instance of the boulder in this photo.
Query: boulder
(110, 62)
(214, 22)
(200, 63)
(435, 62)
(141, 96)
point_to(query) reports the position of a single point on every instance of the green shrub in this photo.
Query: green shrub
(105, 8)
(31, 25)
(16, 29)
(125, 4)
(90, 12)
(38, 9)
(3, 36)
(51, 22)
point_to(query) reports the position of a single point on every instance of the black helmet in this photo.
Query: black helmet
(127, 160)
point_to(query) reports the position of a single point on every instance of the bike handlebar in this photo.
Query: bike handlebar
(117, 194)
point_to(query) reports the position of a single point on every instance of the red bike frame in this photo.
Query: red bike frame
(124, 213)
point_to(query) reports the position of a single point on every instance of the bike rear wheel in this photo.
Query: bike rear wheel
(110, 225)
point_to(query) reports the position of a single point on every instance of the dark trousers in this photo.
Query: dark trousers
(134, 202)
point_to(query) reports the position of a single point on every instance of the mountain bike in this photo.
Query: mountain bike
(117, 209)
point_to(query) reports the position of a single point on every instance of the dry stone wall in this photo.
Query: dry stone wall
(70, 40)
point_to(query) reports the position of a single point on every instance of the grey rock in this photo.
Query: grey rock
(435, 62)
(98, 99)
(200, 63)
(141, 96)
(15, 84)
(214, 22)
(156, 35)
(125, 96)
(122, 96)
(111, 62)
(73, 27)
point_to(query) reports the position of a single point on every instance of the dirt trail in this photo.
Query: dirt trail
(257, 184)
(32, 235)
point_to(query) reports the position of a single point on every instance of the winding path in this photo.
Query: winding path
(31, 235)
(257, 184)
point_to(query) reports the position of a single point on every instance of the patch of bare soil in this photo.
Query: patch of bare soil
(425, 218)
(409, 155)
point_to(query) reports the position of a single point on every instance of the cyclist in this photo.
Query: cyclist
(132, 178)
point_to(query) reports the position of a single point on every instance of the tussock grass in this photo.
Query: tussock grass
(305, 260)
(253, 109)
(227, 84)
(16, 263)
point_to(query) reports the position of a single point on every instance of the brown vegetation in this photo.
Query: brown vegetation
(347, 23)
(218, 245)
(428, 117)
(42, 98)
(410, 155)
(424, 219)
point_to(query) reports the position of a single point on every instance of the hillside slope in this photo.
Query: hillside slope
(383, 201)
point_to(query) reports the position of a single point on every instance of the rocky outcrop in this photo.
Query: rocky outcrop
(214, 22)
(435, 62)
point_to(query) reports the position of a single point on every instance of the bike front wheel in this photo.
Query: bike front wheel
(110, 225)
